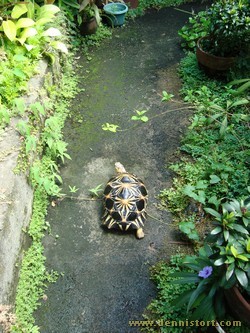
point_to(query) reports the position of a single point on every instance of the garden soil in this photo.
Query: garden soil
(104, 276)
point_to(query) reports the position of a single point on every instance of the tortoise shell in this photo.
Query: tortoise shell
(125, 201)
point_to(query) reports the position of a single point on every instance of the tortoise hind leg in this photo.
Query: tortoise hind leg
(139, 233)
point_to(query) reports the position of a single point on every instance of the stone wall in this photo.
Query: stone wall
(16, 197)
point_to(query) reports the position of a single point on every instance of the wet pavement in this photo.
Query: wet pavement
(105, 279)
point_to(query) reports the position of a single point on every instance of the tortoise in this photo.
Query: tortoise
(125, 201)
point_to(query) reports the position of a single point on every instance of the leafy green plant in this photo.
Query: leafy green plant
(110, 127)
(33, 274)
(26, 25)
(224, 27)
(88, 9)
(229, 31)
(45, 178)
(197, 27)
(188, 227)
(221, 263)
(244, 85)
(52, 137)
(162, 308)
(140, 116)
(15, 72)
(166, 96)
(231, 237)
(217, 143)
(4, 116)
(95, 191)
(73, 189)
(205, 300)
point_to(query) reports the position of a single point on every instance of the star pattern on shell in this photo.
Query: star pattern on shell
(125, 201)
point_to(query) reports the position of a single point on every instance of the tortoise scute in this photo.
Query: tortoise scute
(126, 179)
(143, 190)
(140, 205)
(107, 190)
(109, 203)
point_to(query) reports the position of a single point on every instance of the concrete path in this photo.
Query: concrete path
(106, 280)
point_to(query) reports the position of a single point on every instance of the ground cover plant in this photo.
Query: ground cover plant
(211, 183)
(213, 170)
(216, 160)
(30, 32)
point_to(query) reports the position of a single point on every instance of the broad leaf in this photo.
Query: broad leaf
(28, 46)
(213, 213)
(52, 32)
(214, 179)
(216, 231)
(229, 273)
(30, 143)
(9, 29)
(24, 23)
(18, 11)
(219, 262)
(28, 32)
(197, 292)
(59, 46)
(239, 228)
(48, 11)
(240, 102)
(226, 234)
(234, 251)
(242, 278)
(43, 21)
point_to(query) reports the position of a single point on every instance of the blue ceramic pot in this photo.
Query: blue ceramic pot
(115, 12)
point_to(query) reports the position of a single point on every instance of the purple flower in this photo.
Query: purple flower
(206, 272)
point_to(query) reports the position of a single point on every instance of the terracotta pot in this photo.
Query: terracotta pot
(88, 27)
(211, 63)
(133, 3)
(239, 306)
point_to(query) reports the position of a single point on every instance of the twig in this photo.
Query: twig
(184, 11)
(181, 243)
(155, 218)
(155, 116)
(80, 198)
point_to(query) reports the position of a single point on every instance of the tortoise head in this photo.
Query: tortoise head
(119, 167)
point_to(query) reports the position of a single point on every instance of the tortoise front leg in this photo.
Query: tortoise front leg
(139, 233)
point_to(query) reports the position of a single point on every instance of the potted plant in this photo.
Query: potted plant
(221, 268)
(115, 12)
(89, 17)
(228, 34)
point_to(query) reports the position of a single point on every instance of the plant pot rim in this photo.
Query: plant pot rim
(239, 295)
(122, 8)
(210, 54)
(238, 304)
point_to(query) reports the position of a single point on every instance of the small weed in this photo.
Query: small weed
(162, 309)
(73, 189)
(140, 116)
(95, 191)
